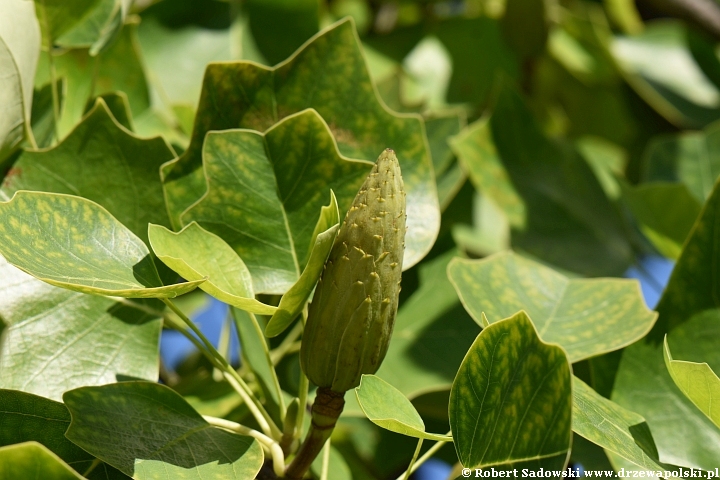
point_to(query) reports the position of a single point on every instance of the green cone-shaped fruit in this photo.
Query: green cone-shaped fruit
(353, 311)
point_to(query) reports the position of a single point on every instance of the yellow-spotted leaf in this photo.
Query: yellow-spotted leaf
(613, 427)
(388, 408)
(74, 243)
(197, 254)
(511, 401)
(265, 193)
(698, 382)
(292, 303)
(587, 317)
(329, 74)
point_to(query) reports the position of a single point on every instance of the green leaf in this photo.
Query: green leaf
(476, 151)
(56, 339)
(32, 461)
(294, 300)
(693, 286)
(148, 431)
(26, 418)
(281, 26)
(511, 402)
(73, 243)
(587, 317)
(666, 213)
(440, 127)
(60, 16)
(330, 75)
(691, 158)
(196, 254)
(388, 408)
(103, 162)
(118, 68)
(265, 191)
(614, 428)
(19, 51)
(658, 64)
(570, 222)
(698, 382)
(525, 26)
(683, 434)
(99, 27)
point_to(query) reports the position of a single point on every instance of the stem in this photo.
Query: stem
(276, 383)
(275, 450)
(92, 467)
(55, 97)
(422, 459)
(412, 461)
(326, 410)
(325, 461)
(287, 345)
(258, 411)
(302, 397)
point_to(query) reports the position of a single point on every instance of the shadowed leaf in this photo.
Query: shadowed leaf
(156, 434)
(32, 461)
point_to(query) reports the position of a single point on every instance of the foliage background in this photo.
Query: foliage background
(579, 133)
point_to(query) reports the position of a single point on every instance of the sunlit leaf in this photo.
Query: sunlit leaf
(74, 243)
(246, 95)
(587, 317)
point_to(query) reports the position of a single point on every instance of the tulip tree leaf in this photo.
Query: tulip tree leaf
(692, 158)
(614, 428)
(570, 222)
(265, 192)
(511, 383)
(294, 300)
(658, 64)
(698, 382)
(103, 162)
(386, 407)
(587, 317)
(19, 49)
(33, 461)
(148, 431)
(246, 95)
(117, 68)
(476, 151)
(27, 417)
(693, 284)
(666, 213)
(683, 434)
(56, 339)
(60, 16)
(74, 243)
(99, 27)
(196, 254)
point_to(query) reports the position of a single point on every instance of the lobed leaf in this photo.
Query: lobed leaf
(511, 401)
(74, 243)
(246, 95)
(264, 192)
(31, 460)
(587, 317)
